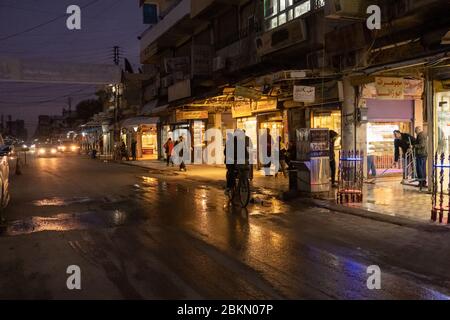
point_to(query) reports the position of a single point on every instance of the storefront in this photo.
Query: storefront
(391, 104)
(149, 141)
(193, 123)
(144, 131)
(241, 111)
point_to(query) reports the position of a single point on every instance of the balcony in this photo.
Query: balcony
(171, 29)
(203, 9)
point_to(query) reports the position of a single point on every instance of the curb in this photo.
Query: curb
(376, 216)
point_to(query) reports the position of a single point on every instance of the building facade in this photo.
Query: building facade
(289, 64)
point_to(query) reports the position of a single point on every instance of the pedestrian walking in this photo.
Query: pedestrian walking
(133, 149)
(181, 153)
(100, 145)
(168, 149)
(282, 158)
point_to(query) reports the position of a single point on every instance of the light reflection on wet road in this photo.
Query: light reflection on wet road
(155, 237)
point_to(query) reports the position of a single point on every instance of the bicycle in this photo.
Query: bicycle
(241, 189)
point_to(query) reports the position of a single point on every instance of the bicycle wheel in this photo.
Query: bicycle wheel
(244, 192)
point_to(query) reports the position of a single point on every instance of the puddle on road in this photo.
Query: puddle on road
(59, 202)
(206, 198)
(66, 222)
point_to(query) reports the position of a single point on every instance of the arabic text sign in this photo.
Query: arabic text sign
(304, 94)
(191, 115)
(390, 88)
(241, 109)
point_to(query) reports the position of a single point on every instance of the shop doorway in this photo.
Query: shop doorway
(149, 142)
(385, 116)
(330, 120)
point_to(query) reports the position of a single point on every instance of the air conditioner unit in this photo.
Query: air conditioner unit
(346, 9)
(218, 63)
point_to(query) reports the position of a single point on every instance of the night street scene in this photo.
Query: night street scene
(244, 150)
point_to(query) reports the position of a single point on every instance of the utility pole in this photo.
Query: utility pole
(116, 59)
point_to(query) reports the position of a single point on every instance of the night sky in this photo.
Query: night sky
(104, 23)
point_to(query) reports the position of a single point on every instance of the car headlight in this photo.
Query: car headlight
(53, 151)
(41, 151)
(73, 148)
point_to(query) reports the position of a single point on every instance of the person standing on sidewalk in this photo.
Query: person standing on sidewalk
(133, 149)
(420, 147)
(403, 141)
(123, 151)
(371, 167)
(282, 158)
(333, 137)
(168, 148)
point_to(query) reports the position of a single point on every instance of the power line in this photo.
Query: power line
(74, 93)
(43, 23)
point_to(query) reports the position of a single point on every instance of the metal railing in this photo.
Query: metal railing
(351, 176)
(440, 198)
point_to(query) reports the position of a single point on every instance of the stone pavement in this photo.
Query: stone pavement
(389, 196)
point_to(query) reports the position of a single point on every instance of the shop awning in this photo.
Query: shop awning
(140, 121)
(159, 110)
(149, 106)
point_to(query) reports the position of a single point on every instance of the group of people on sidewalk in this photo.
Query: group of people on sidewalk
(418, 144)
(287, 153)
(169, 150)
(407, 144)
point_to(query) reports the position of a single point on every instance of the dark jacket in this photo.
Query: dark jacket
(333, 137)
(403, 143)
(232, 142)
(420, 145)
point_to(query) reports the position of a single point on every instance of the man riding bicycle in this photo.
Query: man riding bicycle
(237, 156)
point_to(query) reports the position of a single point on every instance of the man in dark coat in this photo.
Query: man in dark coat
(333, 137)
(420, 148)
(402, 141)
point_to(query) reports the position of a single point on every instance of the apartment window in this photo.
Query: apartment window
(278, 12)
(302, 9)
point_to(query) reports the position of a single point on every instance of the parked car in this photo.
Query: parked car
(5, 150)
(47, 150)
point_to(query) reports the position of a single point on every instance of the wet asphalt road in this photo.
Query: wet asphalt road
(137, 234)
